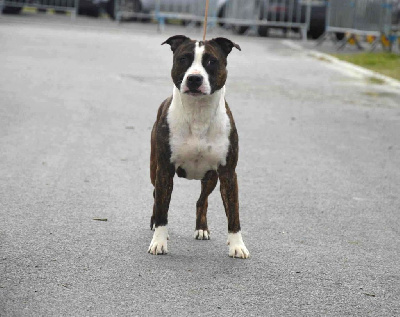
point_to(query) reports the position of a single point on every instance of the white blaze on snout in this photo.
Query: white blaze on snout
(197, 68)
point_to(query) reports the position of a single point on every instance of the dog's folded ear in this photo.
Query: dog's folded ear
(175, 41)
(225, 44)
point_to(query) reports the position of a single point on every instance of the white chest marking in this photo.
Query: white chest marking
(199, 132)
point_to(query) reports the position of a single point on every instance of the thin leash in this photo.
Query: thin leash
(205, 20)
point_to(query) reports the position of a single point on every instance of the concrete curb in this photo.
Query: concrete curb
(358, 70)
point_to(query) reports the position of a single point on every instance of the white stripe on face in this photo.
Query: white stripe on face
(197, 69)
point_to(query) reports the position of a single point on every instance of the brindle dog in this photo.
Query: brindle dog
(195, 137)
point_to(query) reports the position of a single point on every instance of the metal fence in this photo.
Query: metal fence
(15, 6)
(191, 11)
(238, 14)
(266, 14)
(186, 11)
(358, 17)
(131, 9)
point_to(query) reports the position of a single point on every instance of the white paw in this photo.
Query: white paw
(158, 244)
(202, 234)
(237, 249)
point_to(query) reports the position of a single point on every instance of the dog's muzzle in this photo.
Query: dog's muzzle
(193, 82)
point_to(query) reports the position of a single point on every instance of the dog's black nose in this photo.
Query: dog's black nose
(194, 81)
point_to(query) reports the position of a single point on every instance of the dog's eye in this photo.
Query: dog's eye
(182, 59)
(212, 62)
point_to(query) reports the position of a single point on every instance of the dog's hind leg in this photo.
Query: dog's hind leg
(152, 227)
(153, 171)
(208, 184)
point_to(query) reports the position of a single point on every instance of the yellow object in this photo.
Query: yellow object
(385, 41)
(353, 39)
(370, 39)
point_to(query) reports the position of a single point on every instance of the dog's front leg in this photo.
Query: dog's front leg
(229, 193)
(163, 190)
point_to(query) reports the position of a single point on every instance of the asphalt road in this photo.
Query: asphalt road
(319, 181)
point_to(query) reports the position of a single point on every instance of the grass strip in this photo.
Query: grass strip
(384, 63)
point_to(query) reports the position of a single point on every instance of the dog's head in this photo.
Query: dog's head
(199, 68)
